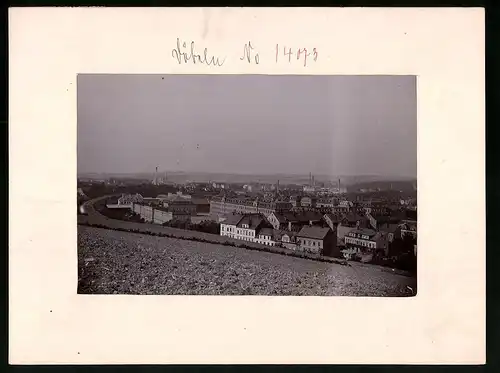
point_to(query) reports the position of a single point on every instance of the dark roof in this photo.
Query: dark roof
(232, 219)
(280, 218)
(253, 220)
(199, 201)
(353, 217)
(266, 232)
(390, 229)
(343, 231)
(334, 217)
(382, 218)
(180, 201)
(277, 234)
(364, 231)
(182, 213)
(161, 208)
(397, 215)
(282, 232)
(313, 232)
(300, 217)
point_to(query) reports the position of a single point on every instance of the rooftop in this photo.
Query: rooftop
(180, 201)
(233, 219)
(286, 232)
(343, 231)
(304, 216)
(353, 217)
(252, 220)
(199, 201)
(389, 229)
(334, 217)
(364, 231)
(313, 232)
(266, 232)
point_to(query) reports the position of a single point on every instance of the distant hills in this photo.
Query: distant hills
(181, 177)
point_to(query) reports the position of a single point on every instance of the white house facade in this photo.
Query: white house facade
(248, 227)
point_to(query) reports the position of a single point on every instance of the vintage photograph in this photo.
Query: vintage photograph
(247, 185)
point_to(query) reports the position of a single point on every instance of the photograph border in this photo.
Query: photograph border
(444, 328)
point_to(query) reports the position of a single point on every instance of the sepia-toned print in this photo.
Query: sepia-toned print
(247, 185)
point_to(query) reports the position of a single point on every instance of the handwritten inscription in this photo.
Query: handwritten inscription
(289, 54)
(183, 55)
(247, 54)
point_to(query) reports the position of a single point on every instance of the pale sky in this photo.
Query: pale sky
(257, 124)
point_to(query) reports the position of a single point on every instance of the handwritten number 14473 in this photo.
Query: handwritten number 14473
(289, 54)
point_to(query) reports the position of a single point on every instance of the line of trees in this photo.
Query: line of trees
(205, 226)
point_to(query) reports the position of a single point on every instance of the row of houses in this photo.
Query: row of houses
(344, 233)
(349, 235)
(256, 228)
(222, 206)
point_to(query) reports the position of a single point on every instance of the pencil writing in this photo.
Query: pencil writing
(183, 55)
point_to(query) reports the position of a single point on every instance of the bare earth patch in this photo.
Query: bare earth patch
(113, 262)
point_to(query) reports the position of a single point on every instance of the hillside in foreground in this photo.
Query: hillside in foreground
(113, 262)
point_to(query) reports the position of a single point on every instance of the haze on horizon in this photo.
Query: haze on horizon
(248, 124)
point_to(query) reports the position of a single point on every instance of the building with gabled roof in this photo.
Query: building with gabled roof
(317, 240)
(265, 236)
(286, 239)
(363, 241)
(294, 220)
(247, 227)
(332, 220)
(352, 219)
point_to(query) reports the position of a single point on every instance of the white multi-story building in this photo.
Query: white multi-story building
(364, 241)
(247, 227)
(317, 240)
(223, 206)
(362, 238)
(346, 203)
(325, 202)
(265, 237)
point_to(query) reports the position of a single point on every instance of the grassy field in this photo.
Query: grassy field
(114, 262)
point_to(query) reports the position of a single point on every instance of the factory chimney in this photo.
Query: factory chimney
(155, 180)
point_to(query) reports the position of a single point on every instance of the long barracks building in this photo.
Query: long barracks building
(223, 206)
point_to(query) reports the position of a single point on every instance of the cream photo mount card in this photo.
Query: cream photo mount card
(296, 174)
